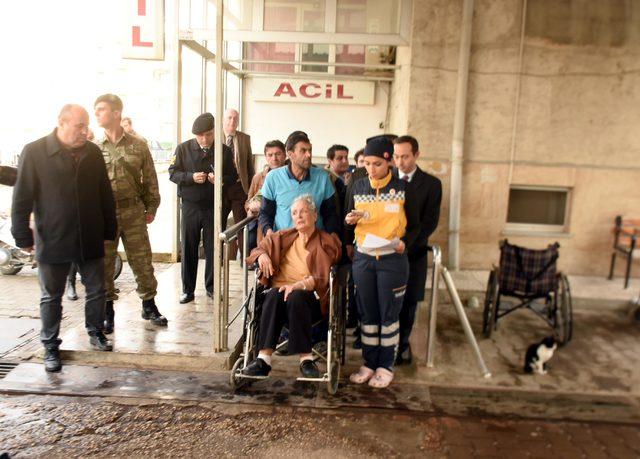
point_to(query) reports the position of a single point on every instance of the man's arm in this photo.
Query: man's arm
(423, 221)
(151, 191)
(328, 209)
(250, 169)
(268, 206)
(108, 204)
(177, 170)
(24, 193)
(432, 207)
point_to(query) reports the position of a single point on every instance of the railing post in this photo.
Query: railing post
(245, 269)
(224, 313)
(433, 304)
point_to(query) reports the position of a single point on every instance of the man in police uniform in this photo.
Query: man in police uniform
(192, 170)
(135, 189)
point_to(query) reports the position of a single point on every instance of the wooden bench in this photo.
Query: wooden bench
(626, 232)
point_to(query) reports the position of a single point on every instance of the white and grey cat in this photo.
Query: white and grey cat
(538, 355)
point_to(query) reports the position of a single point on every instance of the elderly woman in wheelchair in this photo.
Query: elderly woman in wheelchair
(294, 266)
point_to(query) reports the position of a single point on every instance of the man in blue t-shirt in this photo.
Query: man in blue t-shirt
(283, 185)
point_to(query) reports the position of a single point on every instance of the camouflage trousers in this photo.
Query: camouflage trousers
(132, 229)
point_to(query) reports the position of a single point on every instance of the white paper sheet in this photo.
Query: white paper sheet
(371, 241)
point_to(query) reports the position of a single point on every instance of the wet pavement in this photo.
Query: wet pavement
(55, 426)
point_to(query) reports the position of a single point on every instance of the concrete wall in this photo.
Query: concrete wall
(576, 123)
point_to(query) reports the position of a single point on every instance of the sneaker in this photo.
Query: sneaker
(52, 361)
(100, 342)
(309, 369)
(257, 368)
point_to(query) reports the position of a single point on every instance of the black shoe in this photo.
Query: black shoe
(71, 291)
(209, 293)
(309, 369)
(100, 342)
(109, 315)
(257, 368)
(186, 298)
(404, 357)
(150, 312)
(52, 362)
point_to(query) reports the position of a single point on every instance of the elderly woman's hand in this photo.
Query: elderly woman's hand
(287, 289)
(265, 265)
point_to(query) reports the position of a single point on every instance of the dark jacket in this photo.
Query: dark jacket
(72, 203)
(190, 158)
(422, 206)
(324, 251)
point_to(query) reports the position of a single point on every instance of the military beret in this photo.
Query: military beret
(380, 146)
(203, 123)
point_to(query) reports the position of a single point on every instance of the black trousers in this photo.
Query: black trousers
(53, 280)
(233, 199)
(300, 311)
(415, 293)
(196, 222)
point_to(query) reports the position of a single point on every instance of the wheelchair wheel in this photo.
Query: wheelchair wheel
(564, 312)
(118, 269)
(490, 312)
(235, 382)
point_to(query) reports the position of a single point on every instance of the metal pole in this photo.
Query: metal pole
(217, 220)
(177, 101)
(457, 145)
(245, 269)
(433, 305)
(225, 298)
(464, 321)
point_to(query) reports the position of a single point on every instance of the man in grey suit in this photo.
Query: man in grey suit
(236, 181)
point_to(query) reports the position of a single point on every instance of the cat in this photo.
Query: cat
(538, 354)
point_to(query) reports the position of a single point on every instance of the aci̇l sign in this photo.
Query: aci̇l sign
(144, 32)
(313, 91)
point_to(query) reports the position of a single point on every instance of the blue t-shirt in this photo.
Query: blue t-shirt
(282, 187)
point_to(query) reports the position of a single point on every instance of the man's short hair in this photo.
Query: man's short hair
(114, 101)
(358, 154)
(408, 139)
(274, 143)
(294, 138)
(331, 152)
(126, 118)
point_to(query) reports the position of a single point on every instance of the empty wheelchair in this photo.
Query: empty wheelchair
(333, 355)
(530, 278)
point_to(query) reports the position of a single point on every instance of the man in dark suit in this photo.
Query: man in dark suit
(237, 178)
(192, 170)
(422, 206)
(63, 181)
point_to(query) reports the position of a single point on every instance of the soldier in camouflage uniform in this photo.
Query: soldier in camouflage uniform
(135, 189)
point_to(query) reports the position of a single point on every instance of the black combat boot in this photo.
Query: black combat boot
(150, 312)
(71, 290)
(52, 361)
(109, 314)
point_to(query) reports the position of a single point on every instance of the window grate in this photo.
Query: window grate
(6, 367)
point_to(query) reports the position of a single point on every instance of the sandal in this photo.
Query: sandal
(362, 375)
(382, 378)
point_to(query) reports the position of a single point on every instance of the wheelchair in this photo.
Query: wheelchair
(334, 354)
(531, 278)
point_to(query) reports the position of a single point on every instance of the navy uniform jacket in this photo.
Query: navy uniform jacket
(190, 158)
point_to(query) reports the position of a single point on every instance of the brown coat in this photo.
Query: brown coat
(244, 164)
(324, 251)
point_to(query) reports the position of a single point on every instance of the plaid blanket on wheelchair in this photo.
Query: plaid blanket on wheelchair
(526, 271)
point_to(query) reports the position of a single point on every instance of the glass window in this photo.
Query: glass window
(294, 15)
(271, 52)
(538, 207)
(352, 54)
(367, 16)
(314, 53)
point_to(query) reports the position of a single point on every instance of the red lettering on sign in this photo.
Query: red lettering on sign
(328, 91)
(142, 7)
(285, 88)
(136, 41)
(341, 94)
(303, 90)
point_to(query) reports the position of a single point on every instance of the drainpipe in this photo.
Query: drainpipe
(457, 146)
(218, 315)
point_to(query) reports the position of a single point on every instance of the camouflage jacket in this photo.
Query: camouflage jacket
(131, 170)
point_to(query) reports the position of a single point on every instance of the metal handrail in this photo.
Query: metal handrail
(231, 233)
(227, 237)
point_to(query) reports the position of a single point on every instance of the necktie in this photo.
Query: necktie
(230, 145)
(405, 178)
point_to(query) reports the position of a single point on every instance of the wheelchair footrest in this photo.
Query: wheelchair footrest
(323, 378)
(240, 375)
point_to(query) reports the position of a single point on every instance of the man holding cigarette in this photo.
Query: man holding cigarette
(192, 170)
